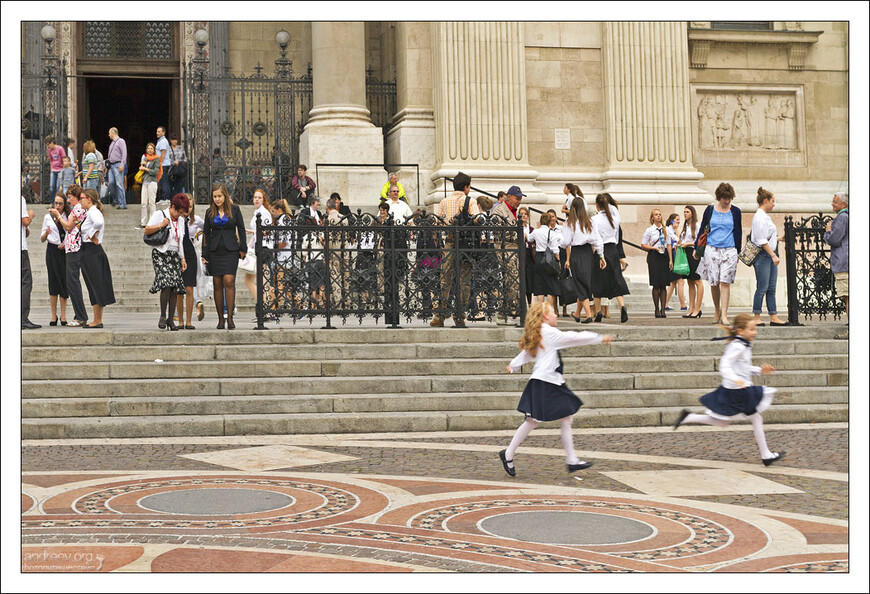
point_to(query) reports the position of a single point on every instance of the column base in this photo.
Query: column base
(345, 159)
(656, 186)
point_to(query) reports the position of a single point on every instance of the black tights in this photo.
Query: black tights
(167, 300)
(225, 286)
(659, 297)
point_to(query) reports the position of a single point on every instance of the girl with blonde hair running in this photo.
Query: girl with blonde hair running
(546, 397)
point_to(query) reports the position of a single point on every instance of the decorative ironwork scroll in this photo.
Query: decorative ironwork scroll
(365, 266)
(811, 290)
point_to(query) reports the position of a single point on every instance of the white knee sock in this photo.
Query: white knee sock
(704, 420)
(568, 441)
(760, 439)
(520, 436)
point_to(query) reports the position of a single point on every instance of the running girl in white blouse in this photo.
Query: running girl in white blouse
(737, 398)
(546, 397)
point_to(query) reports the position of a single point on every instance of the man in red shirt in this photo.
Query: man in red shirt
(55, 159)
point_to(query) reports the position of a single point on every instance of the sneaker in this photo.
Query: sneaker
(684, 308)
(669, 309)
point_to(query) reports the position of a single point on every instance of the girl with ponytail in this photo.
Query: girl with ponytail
(737, 398)
(546, 397)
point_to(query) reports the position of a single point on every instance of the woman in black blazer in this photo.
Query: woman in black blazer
(223, 245)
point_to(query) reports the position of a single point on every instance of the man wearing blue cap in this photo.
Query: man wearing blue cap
(510, 256)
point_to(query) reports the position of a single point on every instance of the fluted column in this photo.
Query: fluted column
(339, 129)
(480, 103)
(646, 80)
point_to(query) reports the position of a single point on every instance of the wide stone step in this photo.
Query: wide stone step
(286, 404)
(283, 424)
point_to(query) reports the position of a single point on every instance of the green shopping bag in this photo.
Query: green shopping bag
(681, 262)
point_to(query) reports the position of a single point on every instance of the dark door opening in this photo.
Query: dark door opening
(135, 106)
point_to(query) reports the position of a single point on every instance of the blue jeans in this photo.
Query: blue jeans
(53, 185)
(92, 184)
(116, 185)
(765, 280)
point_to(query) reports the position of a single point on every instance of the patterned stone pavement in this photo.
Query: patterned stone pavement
(697, 500)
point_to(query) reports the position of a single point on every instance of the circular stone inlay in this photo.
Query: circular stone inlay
(216, 502)
(566, 528)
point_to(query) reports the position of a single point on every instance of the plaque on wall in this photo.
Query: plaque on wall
(748, 125)
(563, 138)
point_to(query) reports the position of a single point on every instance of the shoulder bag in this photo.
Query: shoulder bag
(159, 237)
(549, 261)
(749, 252)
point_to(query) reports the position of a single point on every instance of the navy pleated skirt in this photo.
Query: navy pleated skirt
(728, 402)
(544, 401)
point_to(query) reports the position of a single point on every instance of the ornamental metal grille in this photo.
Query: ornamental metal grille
(364, 266)
(128, 40)
(43, 113)
(381, 101)
(811, 289)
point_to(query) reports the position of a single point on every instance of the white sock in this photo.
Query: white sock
(704, 420)
(760, 439)
(568, 440)
(520, 436)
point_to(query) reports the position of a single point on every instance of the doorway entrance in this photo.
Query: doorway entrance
(135, 106)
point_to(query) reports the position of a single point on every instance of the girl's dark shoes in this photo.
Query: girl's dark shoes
(505, 461)
(768, 461)
(598, 317)
(576, 467)
(587, 320)
(682, 417)
(624, 315)
(53, 322)
(161, 323)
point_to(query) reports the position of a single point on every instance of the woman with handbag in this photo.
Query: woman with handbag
(659, 260)
(151, 172)
(608, 282)
(691, 227)
(168, 257)
(95, 264)
(767, 261)
(677, 275)
(192, 226)
(547, 269)
(261, 203)
(55, 257)
(223, 245)
(721, 238)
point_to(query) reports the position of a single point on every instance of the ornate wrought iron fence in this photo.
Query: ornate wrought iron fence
(810, 282)
(43, 114)
(365, 267)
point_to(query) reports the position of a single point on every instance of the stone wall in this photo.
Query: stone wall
(251, 43)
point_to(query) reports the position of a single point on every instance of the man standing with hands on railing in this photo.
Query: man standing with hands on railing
(837, 236)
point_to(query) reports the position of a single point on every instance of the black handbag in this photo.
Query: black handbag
(549, 261)
(177, 172)
(159, 237)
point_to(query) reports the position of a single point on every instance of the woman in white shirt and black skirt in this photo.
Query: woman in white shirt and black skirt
(659, 260)
(547, 284)
(55, 257)
(95, 264)
(584, 252)
(607, 282)
(168, 259)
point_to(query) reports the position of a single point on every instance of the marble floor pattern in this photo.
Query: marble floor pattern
(435, 502)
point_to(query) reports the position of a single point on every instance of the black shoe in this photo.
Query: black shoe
(682, 417)
(230, 325)
(624, 315)
(28, 325)
(576, 467)
(53, 322)
(162, 323)
(504, 462)
(598, 317)
(769, 461)
(778, 324)
(171, 325)
(587, 320)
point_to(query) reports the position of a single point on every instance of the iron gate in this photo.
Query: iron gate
(44, 113)
(244, 130)
(811, 289)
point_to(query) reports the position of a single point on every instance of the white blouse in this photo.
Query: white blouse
(175, 238)
(575, 236)
(195, 226)
(53, 233)
(570, 200)
(654, 236)
(545, 238)
(736, 367)
(547, 359)
(265, 220)
(94, 225)
(673, 240)
(608, 234)
(763, 230)
(686, 237)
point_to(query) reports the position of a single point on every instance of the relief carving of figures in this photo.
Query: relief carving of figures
(771, 115)
(721, 125)
(706, 123)
(739, 130)
(786, 124)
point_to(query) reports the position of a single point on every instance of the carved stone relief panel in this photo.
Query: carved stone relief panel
(732, 122)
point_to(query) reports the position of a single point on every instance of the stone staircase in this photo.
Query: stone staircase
(144, 383)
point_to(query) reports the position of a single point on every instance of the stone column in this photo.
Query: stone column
(340, 129)
(412, 136)
(480, 106)
(649, 142)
